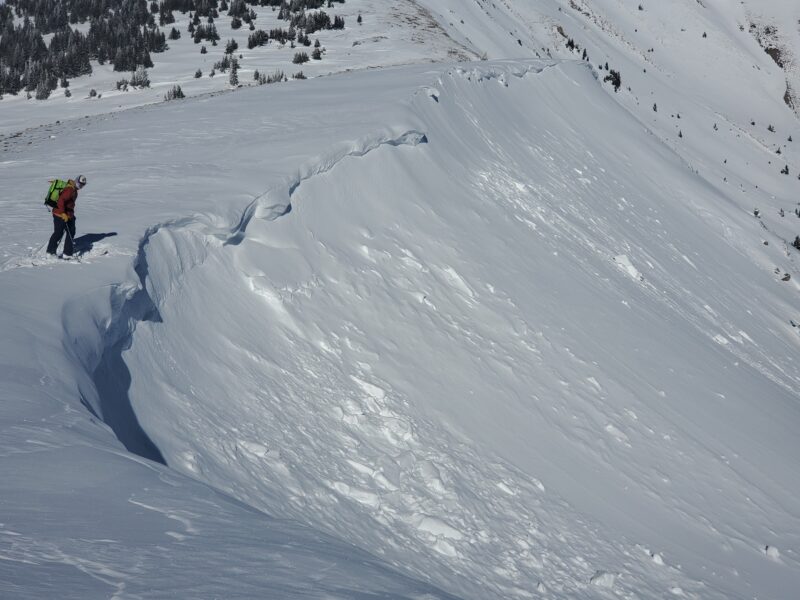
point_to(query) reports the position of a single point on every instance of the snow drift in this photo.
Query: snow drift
(477, 322)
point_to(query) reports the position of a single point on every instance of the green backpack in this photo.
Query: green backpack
(56, 187)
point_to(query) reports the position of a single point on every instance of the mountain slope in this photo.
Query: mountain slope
(494, 325)
(542, 371)
(389, 34)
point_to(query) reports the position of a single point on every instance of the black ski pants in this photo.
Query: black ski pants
(59, 226)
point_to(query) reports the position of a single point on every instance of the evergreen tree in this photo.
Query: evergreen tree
(175, 93)
(258, 38)
(43, 90)
(140, 78)
(615, 78)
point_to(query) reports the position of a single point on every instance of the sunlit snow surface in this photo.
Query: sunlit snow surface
(485, 330)
(391, 33)
(462, 318)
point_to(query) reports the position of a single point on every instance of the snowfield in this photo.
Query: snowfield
(483, 331)
(391, 33)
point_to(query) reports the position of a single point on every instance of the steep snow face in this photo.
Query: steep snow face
(505, 331)
(714, 45)
(81, 517)
(511, 344)
(698, 70)
(695, 74)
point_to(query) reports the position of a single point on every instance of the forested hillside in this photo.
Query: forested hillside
(45, 43)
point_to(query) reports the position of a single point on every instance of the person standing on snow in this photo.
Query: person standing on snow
(64, 216)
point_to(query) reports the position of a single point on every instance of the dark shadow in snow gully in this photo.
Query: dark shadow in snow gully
(112, 378)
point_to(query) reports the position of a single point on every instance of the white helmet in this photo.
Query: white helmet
(80, 181)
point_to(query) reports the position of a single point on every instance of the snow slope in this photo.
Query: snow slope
(487, 330)
(446, 363)
(490, 344)
(390, 34)
(80, 515)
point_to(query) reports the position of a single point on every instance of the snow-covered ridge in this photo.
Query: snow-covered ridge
(98, 316)
(436, 355)
(545, 353)
(132, 302)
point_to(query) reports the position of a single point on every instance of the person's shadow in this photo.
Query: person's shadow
(83, 243)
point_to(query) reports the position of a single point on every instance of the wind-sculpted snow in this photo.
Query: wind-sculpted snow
(534, 356)
(277, 201)
(372, 346)
(111, 376)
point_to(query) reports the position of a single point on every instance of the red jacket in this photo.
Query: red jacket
(66, 201)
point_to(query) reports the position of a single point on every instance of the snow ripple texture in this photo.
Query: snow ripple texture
(488, 331)
(354, 363)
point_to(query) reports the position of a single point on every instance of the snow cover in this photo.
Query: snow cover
(486, 330)
(391, 33)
